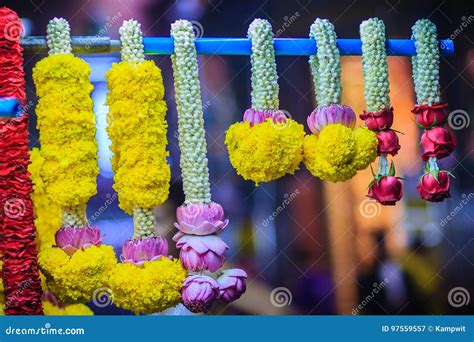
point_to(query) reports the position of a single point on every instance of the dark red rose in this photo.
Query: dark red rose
(388, 142)
(429, 116)
(378, 121)
(437, 142)
(434, 190)
(388, 191)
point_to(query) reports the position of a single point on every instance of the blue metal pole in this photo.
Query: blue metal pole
(9, 107)
(285, 46)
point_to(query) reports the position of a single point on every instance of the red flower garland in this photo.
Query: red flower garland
(20, 273)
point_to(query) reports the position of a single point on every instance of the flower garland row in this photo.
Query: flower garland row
(21, 282)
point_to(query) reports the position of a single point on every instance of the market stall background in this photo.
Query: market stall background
(310, 247)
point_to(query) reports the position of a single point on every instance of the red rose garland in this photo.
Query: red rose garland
(17, 235)
(385, 188)
(430, 113)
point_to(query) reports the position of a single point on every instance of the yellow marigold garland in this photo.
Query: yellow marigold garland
(137, 125)
(154, 287)
(144, 282)
(338, 152)
(266, 145)
(73, 279)
(67, 126)
(69, 169)
(266, 151)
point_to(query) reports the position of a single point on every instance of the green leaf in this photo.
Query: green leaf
(435, 174)
(391, 172)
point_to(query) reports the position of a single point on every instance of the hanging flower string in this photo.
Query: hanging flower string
(335, 151)
(385, 188)
(67, 135)
(199, 220)
(266, 145)
(430, 113)
(21, 282)
(147, 280)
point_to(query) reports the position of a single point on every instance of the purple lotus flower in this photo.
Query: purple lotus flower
(254, 116)
(200, 253)
(70, 239)
(139, 250)
(201, 219)
(199, 292)
(232, 284)
(332, 114)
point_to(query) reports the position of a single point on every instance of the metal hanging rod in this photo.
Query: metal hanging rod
(228, 46)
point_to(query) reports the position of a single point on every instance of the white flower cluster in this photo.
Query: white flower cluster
(192, 136)
(374, 64)
(144, 223)
(74, 216)
(426, 63)
(264, 70)
(325, 65)
(58, 37)
(131, 39)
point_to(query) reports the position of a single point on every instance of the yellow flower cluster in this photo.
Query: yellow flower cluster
(47, 214)
(137, 128)
(152, 288)
(67, 129)
(338, 152)
(73, 279)
(266, 151)
(69, 310)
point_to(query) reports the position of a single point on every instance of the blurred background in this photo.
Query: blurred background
(309, 247)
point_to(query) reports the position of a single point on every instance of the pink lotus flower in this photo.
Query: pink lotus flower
(378, 121)
(199, 292)
(139, 250)
(232, 284)
(71, 239)
(254, 116)
(201, 219)
(332, 114)
(199, 253)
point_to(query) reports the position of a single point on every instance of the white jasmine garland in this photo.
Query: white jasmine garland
(325, 65)
(374, 65)
(144, 223)
(132, 49)
(192, 136)
(264, 73)
(426, 63)
(58, 37)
